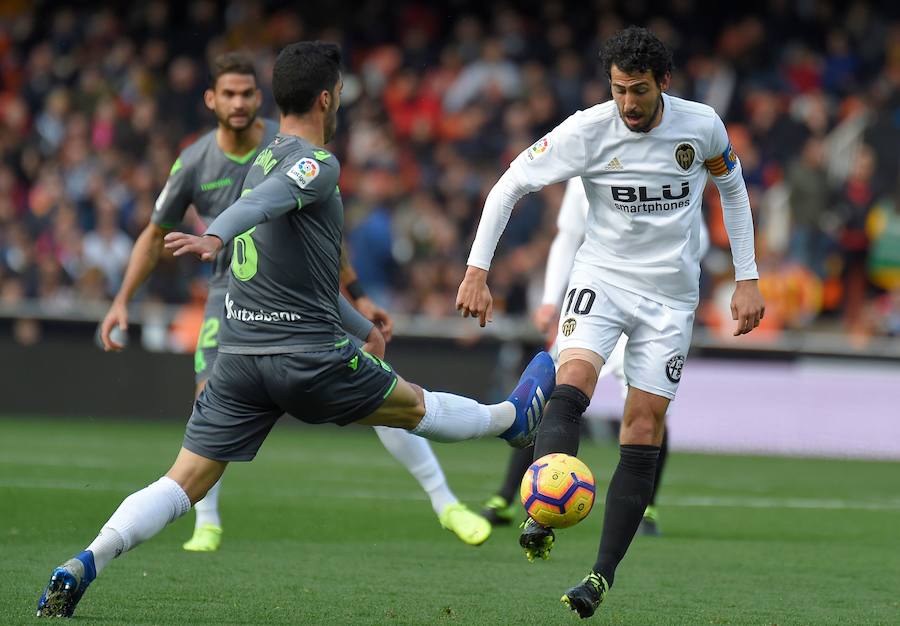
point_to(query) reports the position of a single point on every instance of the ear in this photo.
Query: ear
(209, 99)
(325, 100)
(258, 98)
(664, 83)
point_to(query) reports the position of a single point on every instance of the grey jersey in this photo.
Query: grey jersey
(210, 179)
(283, 289)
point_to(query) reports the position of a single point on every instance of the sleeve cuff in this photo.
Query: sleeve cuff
(480, 264)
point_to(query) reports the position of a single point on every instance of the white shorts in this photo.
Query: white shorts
(595, 315)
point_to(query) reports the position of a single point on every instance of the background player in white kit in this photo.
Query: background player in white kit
(644, 159)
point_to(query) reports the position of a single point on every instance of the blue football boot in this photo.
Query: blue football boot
(68, 583)
(530, 397)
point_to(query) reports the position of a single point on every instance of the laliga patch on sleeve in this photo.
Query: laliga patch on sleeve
(304, 172)
(539, 148)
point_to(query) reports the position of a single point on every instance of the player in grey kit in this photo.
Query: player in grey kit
(209, 174)
(281, 347)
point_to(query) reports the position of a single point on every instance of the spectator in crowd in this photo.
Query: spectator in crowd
(95, 102)
(809, 199)
(107, 247)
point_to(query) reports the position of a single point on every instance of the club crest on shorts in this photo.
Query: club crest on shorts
(568, 327)
(684, 156)
(674, 367)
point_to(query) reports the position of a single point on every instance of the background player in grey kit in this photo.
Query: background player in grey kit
(208, 174)
(281, 344)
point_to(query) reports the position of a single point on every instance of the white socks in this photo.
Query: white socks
(207, 509)
(449, 417)
(417, 456)
(140, 516)
(107, 546)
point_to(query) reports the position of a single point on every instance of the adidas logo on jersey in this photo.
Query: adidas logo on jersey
(614, 165)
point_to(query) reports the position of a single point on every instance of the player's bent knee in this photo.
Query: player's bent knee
(403, 408)
(580, 368)
(195, 474)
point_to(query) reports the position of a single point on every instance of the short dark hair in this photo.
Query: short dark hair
(230, 63)
(302, 71)
(636, 50)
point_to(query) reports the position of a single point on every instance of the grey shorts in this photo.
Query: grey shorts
(207, 349)
(246, 394)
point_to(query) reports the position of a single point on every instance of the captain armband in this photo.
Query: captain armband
(722, 164)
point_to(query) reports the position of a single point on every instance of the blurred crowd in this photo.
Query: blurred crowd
(96, 102)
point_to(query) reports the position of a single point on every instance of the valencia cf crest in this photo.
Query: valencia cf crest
(674, 367)
(684, 156)
(568, 326)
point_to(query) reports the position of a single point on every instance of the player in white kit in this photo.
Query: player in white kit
(644, 159)
(571, 224)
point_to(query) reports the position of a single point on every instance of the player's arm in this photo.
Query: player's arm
(283, 191)
(558, 156)
(570, 227)
(363, 303)
(169, 210)
(355, 324)
(747, 305)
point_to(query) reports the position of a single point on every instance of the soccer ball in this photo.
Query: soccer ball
(557, 491)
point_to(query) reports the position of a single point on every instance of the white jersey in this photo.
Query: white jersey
(571, 223)
(644, 191)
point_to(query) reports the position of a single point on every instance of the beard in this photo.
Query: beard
(226, 122)
(330, 125)
(646, 127)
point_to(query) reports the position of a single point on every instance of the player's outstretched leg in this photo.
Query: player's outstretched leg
(207, 535)
(559, 432)
(448, 417)
(418, 458)
(503, 507)
(585, 597)
(140, 516)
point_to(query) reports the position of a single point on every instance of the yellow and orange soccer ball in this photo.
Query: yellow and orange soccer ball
(557, 491)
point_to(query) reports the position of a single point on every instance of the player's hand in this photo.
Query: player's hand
(375, 343)
(747, 306)
(474, 298)
(545, 317)
(376, 315)
(205, 247)
(116, 317)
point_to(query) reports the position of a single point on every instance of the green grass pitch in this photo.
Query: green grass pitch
(326, 528)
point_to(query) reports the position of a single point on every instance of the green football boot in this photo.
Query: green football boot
(498, 511)
(207, 538)
(470, 527)
(650, 522)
